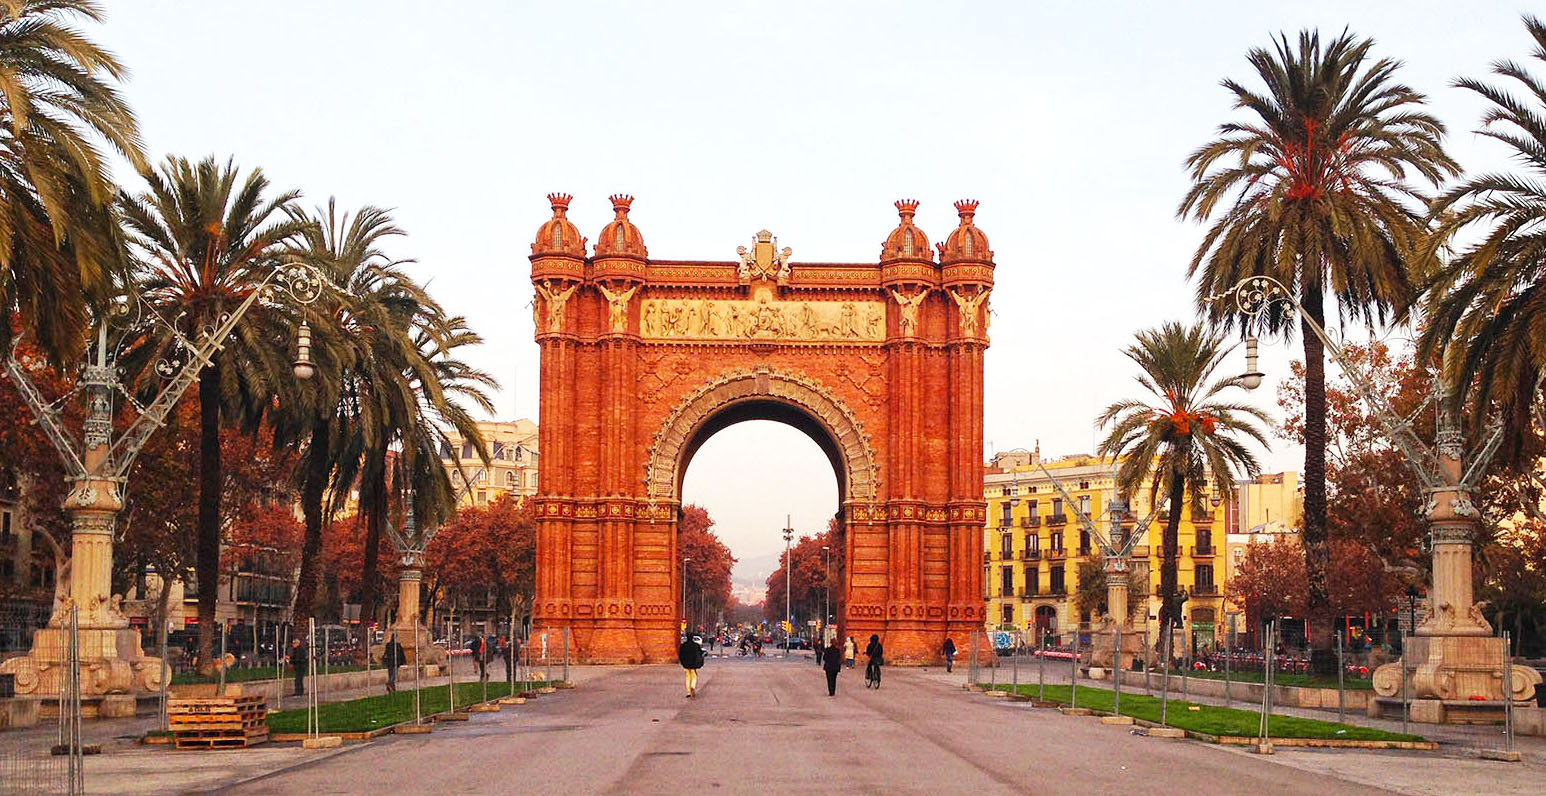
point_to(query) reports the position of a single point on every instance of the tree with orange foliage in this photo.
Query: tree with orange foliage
(486, 549)
(708, 571)
(812, 574)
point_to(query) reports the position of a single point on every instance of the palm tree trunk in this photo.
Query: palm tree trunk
(1317, 549)
(1170, 552)
(207, 564)
(313, 487)
(375, 523)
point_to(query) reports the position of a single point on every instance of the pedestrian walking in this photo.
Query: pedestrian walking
(300, 662)
(832, 663)
(690, 655)
(392, 657)
(950, 655)
(850, 651)
(475, 646)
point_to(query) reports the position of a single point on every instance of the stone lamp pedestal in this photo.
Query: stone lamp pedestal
(114, 669)
(1454, 663)
(1104, 653)
(418, 647)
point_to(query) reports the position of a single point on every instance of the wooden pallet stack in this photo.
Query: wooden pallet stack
(229, 722)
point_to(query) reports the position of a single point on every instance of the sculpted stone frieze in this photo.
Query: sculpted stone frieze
(764, 319)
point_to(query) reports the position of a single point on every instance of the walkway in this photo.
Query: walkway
(768, 723)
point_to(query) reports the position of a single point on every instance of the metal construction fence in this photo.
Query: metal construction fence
(1277, 684)
(50, 759)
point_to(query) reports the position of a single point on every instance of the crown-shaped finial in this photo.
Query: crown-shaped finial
(907, 207)
(560, 202)
(620, 203)
(967, 208)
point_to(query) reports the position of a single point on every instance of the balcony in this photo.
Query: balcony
(1030, 522)
(1205, 590)
(1057, 590)
(1204, 517)
(1057, 552)
(987, 556)
(1057, 519)
(1031, 554)
(1026, 594)
(1205, 552)
(1084, 551)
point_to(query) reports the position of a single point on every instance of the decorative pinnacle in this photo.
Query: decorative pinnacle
(620, 203)
(906, 207)
(560, 203)
(967, 208)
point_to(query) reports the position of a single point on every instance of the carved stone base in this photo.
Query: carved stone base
(417, 650)
(1449, 669)
(112, 662)
(1104, 640)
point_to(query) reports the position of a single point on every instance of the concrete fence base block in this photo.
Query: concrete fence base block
(414, 729)
(452, 717)
(1504, 755)
(323, 742)
(513, 701)
(1165, 732)
(491, 707)
(997, 694)
(1075, 711)
(547, 690)
(1116, 719)
(1263, 748)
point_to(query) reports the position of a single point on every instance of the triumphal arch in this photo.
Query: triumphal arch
(644, 359)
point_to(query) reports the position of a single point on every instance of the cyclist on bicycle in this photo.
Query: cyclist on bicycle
(877, 654)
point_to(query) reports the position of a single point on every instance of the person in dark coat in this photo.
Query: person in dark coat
(392, 656)
(832, 662)
(300, 662)
(690, 655)
(877, 655)
(950, 654)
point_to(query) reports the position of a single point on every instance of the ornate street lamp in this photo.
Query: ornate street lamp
(788, 595)
(1455, 635)
(97, 470)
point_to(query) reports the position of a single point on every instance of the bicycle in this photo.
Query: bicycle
(872, 674)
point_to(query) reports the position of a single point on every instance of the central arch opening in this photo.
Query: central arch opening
(752, 467)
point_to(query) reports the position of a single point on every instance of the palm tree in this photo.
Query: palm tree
(1490, 300)
(419, 400)
(1312, 190)
(1176, 441)
(60, 247)
(204, 240)
(372, 291)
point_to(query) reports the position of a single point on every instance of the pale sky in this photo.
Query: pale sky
(1068, 121)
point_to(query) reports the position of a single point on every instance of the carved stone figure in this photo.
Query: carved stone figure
(909, 308)
(651, 320)
(968, 306)
(556, 300)
(617, 306)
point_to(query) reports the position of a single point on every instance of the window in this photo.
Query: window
(1007, 614)
(1005, 509)
(1032, 580)
(1084, 484)
(5, 524)
(499, 450)
(1032, 541)
(512, 479)
(1006, 546)
(1055, 580)
(1204, 576)
(482, 476)
(1204, 540)
(468, 451)
(1055, 540)
(1084, 503)
(1006, 582)
(1084, 542)
(1057, 507)
(1033, 504)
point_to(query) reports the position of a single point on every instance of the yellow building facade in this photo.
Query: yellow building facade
(1034, 544)
(513, 467)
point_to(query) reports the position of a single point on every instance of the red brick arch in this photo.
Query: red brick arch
(645, 359)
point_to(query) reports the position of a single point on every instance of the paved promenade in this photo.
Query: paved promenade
(761, 724)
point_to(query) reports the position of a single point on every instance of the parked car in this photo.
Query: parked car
(795, 643)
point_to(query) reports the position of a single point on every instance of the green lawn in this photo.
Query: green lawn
(1213, 720)
(1297, 680)
(260, 673)
(374, 712)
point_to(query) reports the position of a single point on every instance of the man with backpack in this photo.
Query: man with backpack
(690, 655)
